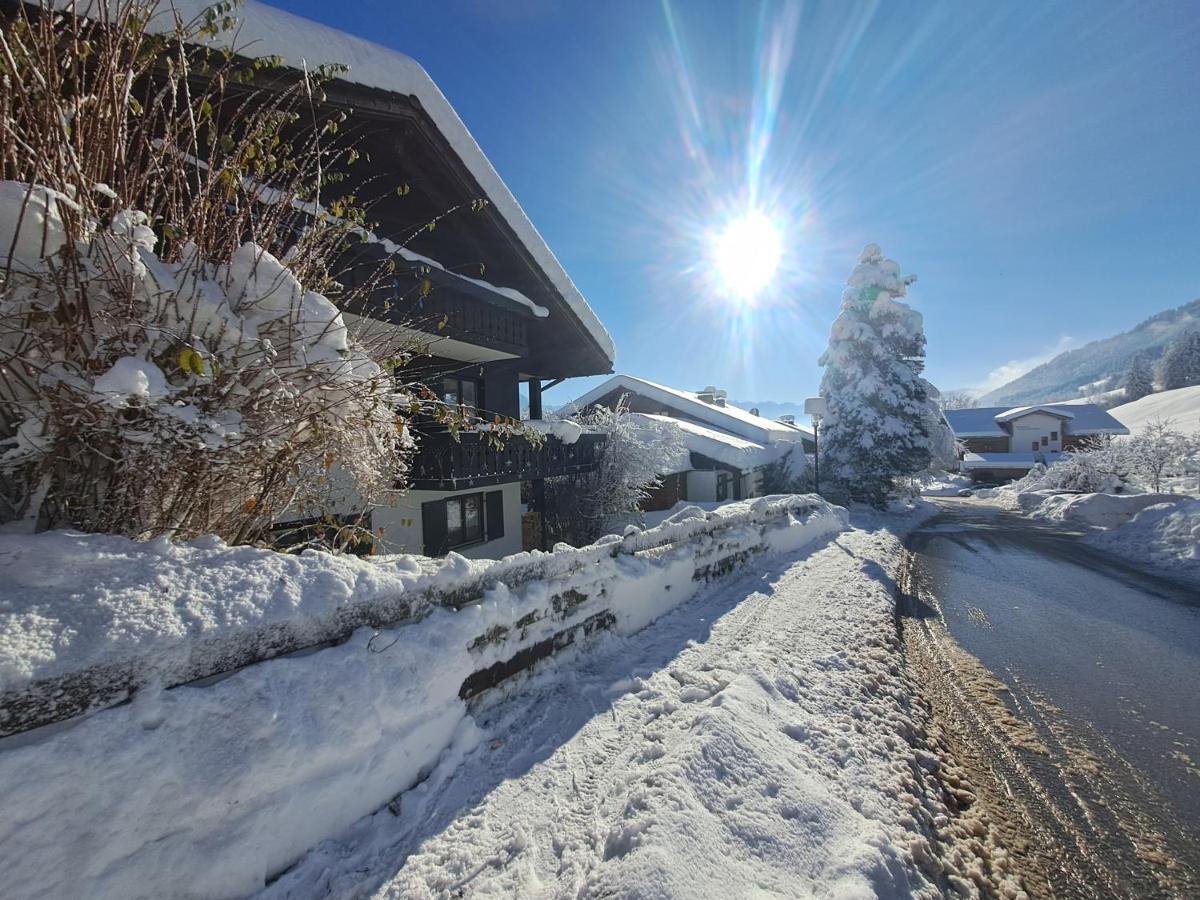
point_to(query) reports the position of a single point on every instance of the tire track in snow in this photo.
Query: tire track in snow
(1049, 796)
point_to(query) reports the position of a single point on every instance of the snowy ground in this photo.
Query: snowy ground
(1181, 407)
(762, 738)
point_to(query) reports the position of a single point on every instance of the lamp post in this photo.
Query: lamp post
(816, 408)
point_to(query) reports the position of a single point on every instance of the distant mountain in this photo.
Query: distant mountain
(773, 409)
(1098, 366)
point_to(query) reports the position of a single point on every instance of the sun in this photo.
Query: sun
(746, 254)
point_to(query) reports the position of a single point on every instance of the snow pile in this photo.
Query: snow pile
(942, 484)
(71, 601)
(564, 429)
(1095, 510)
(217, 786)
(1165, 535)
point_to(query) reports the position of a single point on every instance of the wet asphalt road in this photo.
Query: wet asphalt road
(1102, 660)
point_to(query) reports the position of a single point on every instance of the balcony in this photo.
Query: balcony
(444, 464)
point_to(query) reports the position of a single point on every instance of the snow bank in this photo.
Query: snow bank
(942, 484)
(1095, 510)
(218, 785)
(1165, 535)
(71, 601)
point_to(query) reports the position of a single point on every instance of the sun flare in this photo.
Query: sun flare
(746, 254)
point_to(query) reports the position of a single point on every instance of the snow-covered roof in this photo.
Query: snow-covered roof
(1019, 411)
(731, 419)
(716, 444)
(984, 421)
(1006, 460)
(264, 30)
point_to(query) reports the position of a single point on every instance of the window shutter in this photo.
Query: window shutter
(495, 515)
(433, 527)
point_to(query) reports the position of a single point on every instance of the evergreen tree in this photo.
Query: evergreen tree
(1181, 362)
(1138, 382)
(876, 429)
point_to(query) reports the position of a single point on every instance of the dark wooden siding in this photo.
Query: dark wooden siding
(669, 491)
(986, 445)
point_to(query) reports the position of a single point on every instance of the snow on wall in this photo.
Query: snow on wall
(220, 785)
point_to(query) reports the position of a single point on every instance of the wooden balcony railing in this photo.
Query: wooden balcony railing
(444, 464)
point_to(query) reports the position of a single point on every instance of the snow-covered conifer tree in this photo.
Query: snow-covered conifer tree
(877, 426)
(1181, 362)
(1138, 381)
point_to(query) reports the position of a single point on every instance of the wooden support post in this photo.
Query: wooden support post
(539, 505)
(535, 398)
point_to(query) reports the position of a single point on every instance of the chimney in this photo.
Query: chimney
(787, 420)
(719, 397)
(754, 410)
(708, 395)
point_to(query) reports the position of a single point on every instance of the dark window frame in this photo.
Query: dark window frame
(1054, 435)
(465, 539)
(724, 483)
(460, 380)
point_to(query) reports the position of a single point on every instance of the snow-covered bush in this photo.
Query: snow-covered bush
(1156, 451)
(582, 508)
(877, 429)
(1106, 465)
(170, 359)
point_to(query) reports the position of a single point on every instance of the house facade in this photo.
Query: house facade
(726, 448)
(480, 298)
(1003, 443)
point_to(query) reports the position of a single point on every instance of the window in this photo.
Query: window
(1045, 441)
(461, 521)
(1054, 435)
(464, 392)
(723, 480)
(1036, 446)
(464, 520)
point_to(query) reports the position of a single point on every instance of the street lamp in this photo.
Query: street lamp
(816, 408)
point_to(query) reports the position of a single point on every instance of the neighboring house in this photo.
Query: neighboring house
(727, 447)
(526, 323)
(1001, 443)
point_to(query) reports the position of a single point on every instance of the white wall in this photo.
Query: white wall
(1034, 427)
(401, 523)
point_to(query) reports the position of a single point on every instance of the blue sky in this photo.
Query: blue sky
(1037, 165)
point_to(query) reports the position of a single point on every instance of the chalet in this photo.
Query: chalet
(727, 447)
(1001, 443)
(482, 292)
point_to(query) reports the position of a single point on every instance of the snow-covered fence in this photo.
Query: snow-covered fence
(221, 784)
(78, 670)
